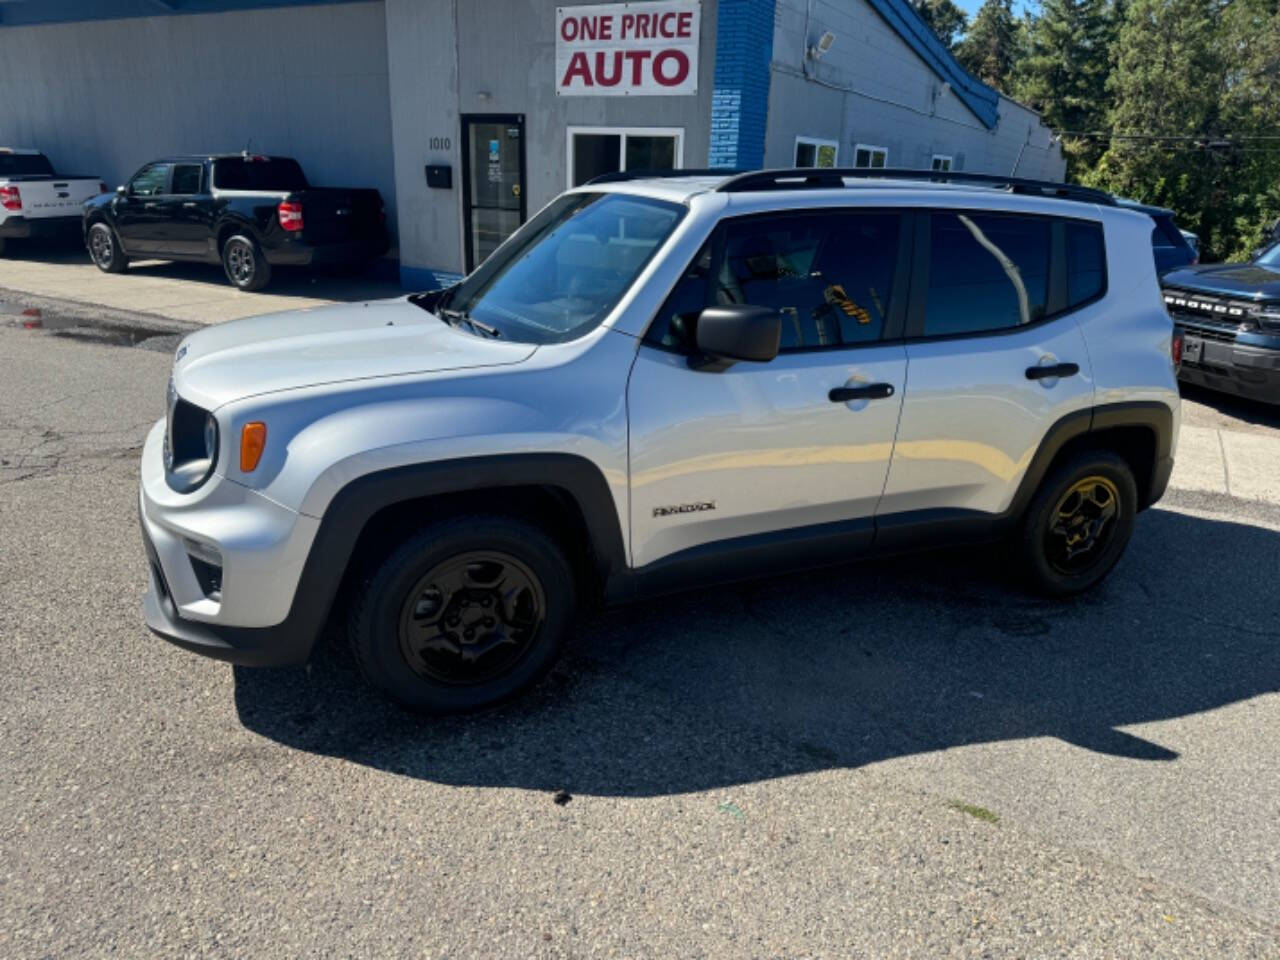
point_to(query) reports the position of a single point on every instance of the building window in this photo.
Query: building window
(941, 161)
(865, 155)
(812, 152)
(594, 151)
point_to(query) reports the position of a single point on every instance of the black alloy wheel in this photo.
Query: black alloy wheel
(104, 250)
(244, 263)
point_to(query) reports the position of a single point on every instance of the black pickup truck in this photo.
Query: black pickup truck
(247, 212)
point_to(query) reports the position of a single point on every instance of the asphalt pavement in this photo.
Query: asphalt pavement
(905, 759)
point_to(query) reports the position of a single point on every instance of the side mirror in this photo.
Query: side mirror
(122, 190)
(740, 331)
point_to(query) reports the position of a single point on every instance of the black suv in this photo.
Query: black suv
(1229, 316)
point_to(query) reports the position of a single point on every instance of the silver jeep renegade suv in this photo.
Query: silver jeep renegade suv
(657, 383)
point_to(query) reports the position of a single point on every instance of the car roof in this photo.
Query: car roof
(19, 151)
(869, 190)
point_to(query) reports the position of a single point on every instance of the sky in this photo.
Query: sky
(971, 6)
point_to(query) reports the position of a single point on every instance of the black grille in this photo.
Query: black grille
(1205, 315)
(1206, 328)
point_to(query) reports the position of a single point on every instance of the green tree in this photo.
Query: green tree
(1168, 82)
(944, 18)
(1063, 73)
(990, 48)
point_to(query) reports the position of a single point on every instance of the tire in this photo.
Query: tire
(439, 599)
(104, 249)
(1091, 497)
(244, 264)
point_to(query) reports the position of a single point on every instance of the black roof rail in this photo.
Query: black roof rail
(621, 176)
(817, 178)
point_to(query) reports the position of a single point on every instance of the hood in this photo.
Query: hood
(334, 344)
(1247, 281)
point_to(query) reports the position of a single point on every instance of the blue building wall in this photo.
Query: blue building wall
(740, 97)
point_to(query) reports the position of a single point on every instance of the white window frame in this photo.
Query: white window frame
(951, 163)
(623, 132)
(815, 142)
(872, 150)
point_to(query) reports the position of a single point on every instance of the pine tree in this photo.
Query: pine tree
(1169, 81)
(1064, 71)
(944, 18)
(989, 49)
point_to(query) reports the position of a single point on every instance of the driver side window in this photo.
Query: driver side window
(150, 181)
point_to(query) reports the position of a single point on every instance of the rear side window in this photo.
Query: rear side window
(25, 165)
(828, 275)
(272, 174)
(1086, 262)
(986, 272)
(186, 178)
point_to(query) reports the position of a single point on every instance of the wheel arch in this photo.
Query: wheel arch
(564, 493)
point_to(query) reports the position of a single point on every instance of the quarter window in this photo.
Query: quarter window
(150, 181)
(1086, 262)
(986, 272)
(941, 161)
(829, 277)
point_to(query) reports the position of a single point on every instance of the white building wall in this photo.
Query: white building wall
(105, 97)
(873, 88)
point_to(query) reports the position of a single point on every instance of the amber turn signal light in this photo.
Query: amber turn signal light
(253, 439)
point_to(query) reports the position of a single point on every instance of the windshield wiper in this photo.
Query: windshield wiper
(456, 317)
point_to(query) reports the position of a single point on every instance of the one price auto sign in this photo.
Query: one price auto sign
(628, 49)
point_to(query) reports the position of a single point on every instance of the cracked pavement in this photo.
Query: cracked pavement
(905, 759)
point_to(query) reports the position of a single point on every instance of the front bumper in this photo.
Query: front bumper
(22, 228)
(1232, 367)
(263, 547)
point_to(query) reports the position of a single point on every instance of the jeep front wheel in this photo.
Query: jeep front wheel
(465, 614)
(1078, 523)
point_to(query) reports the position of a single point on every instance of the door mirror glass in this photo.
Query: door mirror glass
(736, 332)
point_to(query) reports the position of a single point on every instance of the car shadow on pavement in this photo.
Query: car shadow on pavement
(839, 668)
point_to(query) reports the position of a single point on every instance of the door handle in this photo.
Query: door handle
(150, 206)
(189, 205)
(1053, 370)
(870, 391)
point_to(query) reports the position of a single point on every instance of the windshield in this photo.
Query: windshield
(562, 273)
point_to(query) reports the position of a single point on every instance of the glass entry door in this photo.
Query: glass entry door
(492, 181)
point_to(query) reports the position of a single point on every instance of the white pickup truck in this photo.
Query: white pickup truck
(37, 202)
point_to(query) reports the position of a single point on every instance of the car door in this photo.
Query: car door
(995, 358)
(184, 225)
(137, 212)
(764, 452)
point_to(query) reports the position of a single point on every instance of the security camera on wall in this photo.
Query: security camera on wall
(819, 49)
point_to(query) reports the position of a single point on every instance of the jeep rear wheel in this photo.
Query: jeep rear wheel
(465, 614)
(1079, 523)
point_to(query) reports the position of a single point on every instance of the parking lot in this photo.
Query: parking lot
(911, 758)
